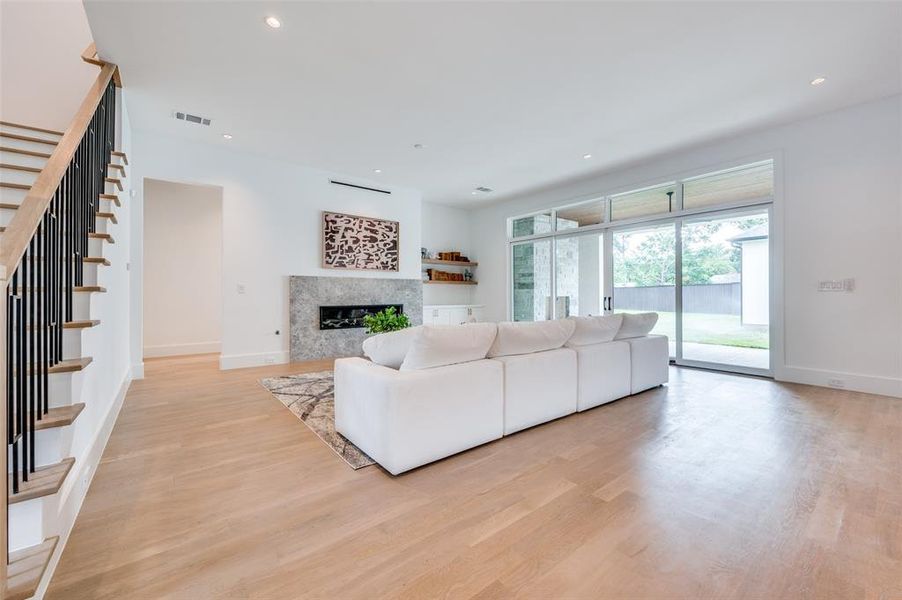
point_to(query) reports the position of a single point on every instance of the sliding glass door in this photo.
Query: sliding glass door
(579, 275)
(644, 274)
(725, 292)
(696, 250)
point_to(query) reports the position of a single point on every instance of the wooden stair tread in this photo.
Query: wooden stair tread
(60, 416)
(32, 128)
(79, 289)
(114, 198)
(20, 168)
(15, 186)
(27, 138)
(102, 236)
(92, 260)
(115, 181)
(26, 152)
(71, 365)
(108, 215)
(26, 567)
(120, 168)
(120, 155)
(9, 206)
(81, 324)
(45, 481)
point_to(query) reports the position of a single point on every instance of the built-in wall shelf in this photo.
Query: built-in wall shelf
(449, 263)
(450, 282)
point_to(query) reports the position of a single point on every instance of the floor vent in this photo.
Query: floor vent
(359, 187)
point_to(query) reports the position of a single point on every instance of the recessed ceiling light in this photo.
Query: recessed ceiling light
(474, 192)
(377, 170)
(419, 146)
(587, 156)
(273, 22)
(818, 80)
(227, 136)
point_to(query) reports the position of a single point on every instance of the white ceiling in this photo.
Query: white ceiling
(506, 95)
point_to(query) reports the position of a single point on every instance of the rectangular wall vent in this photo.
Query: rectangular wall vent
(189, 118)
(359, 187)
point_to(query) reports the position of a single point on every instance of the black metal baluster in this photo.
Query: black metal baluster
(31, 331)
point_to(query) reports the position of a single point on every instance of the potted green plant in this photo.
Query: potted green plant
(386, 320)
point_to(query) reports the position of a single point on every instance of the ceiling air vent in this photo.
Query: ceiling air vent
(484, 190)
(189, 118)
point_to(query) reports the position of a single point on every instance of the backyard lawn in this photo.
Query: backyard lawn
(722, 330)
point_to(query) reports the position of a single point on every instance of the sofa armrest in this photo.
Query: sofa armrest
(403, 419)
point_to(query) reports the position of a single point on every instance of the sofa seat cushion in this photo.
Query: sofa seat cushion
(603, 373)
(649, 362)
(527, 337)
(538, 387)
(636, 325)
(441, 345)
(594, 330)
(389, 349)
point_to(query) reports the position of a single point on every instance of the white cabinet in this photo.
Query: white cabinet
(451, 314)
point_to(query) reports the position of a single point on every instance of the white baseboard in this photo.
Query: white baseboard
(869, 384)
(181, 349)
(138, 371)
(242, 361)
(73, 493)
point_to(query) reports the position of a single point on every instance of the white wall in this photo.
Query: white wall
(271, 230)
(44, 78)
(447, 228)
(182, 268)
(840, 179)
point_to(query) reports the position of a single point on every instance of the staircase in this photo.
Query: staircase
(59, 192)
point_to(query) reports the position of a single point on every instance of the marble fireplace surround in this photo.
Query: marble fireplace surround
(307, 293)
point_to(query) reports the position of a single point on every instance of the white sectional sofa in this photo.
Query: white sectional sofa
(429, 392)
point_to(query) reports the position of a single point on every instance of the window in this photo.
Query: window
(531, 225)
(642, 203)
(748, 182)
(581, 215)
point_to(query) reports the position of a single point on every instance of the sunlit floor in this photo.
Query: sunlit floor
(714, 486)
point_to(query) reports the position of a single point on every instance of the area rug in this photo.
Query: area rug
(310, 397)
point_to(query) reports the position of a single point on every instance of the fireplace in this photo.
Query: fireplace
(351, 316)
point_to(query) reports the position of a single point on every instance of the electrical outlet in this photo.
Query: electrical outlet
(836, 285)
(837, 383)
(269, 360)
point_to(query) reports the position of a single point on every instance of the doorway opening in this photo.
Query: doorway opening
(182, 269)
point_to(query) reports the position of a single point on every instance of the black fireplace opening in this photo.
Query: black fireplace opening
(351, 316)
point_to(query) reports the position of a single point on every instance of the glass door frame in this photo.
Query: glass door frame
(772, 204)
(678, 288)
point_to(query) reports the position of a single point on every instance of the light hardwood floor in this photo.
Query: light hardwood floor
(715, 486)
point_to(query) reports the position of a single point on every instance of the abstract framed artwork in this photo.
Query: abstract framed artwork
(360, 243)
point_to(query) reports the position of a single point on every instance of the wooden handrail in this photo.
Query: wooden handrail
(27, 218)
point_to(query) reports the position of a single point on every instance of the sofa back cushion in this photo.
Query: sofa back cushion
(440, 345)
(526, 337)
(389, 349)
(636, 325)
(594, 330)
